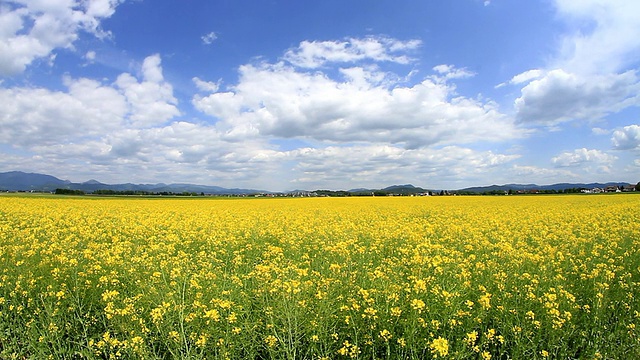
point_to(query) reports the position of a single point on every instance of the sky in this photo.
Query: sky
(283, 95)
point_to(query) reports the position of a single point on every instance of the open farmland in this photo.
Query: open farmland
(335, 278)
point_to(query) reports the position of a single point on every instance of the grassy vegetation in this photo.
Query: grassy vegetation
(417, 278)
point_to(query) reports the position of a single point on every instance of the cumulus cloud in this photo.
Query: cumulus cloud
(561, 96)
(152, 70)
(31, 29)
(627, 138)
(583, 157)
(591, 74)
(151, 100)
(39, 116)
(314, 54)
(367, 105)
(35, 116)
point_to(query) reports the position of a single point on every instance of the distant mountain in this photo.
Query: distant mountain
(21, 181)
(359, 190)
(18, 180)
(404, 189)
(528, 187)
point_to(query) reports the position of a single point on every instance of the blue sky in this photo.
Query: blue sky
(283, 95)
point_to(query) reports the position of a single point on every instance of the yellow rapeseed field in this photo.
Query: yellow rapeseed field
(320, 278)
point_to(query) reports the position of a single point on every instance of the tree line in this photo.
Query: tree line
(126, 192)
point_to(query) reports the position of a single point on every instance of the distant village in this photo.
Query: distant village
(610, 189)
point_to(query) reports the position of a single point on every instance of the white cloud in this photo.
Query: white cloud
(592, 73)
(209, 38)
(32, 29)
(38, 116)
(278, 101)
(32, 117)
(151, 100)
(524, 77)
(314, 54)
(449, 72)
(366, 77)
(151, 69)
(583, 157)
(561, 96)
(627, 138)
(90, 56)
(101, 8)
(206, 86)
(604, 38)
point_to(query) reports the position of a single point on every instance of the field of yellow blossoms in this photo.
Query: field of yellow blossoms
(528, 277)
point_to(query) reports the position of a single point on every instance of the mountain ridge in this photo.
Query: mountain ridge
(551, 187)
(23, 181)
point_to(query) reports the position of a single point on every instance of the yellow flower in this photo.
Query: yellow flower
(471, 338)
(202, 341)
(490, 334)
(385, 335)
(439, 347)
(271, 341)
(485, 301)
(530, 315)
(469, 304)
(370, 313)
(212, 314)
(109, 294)
(348, 349)
(232, 318)
(174, 335)
(418, 305)
(544, 353)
